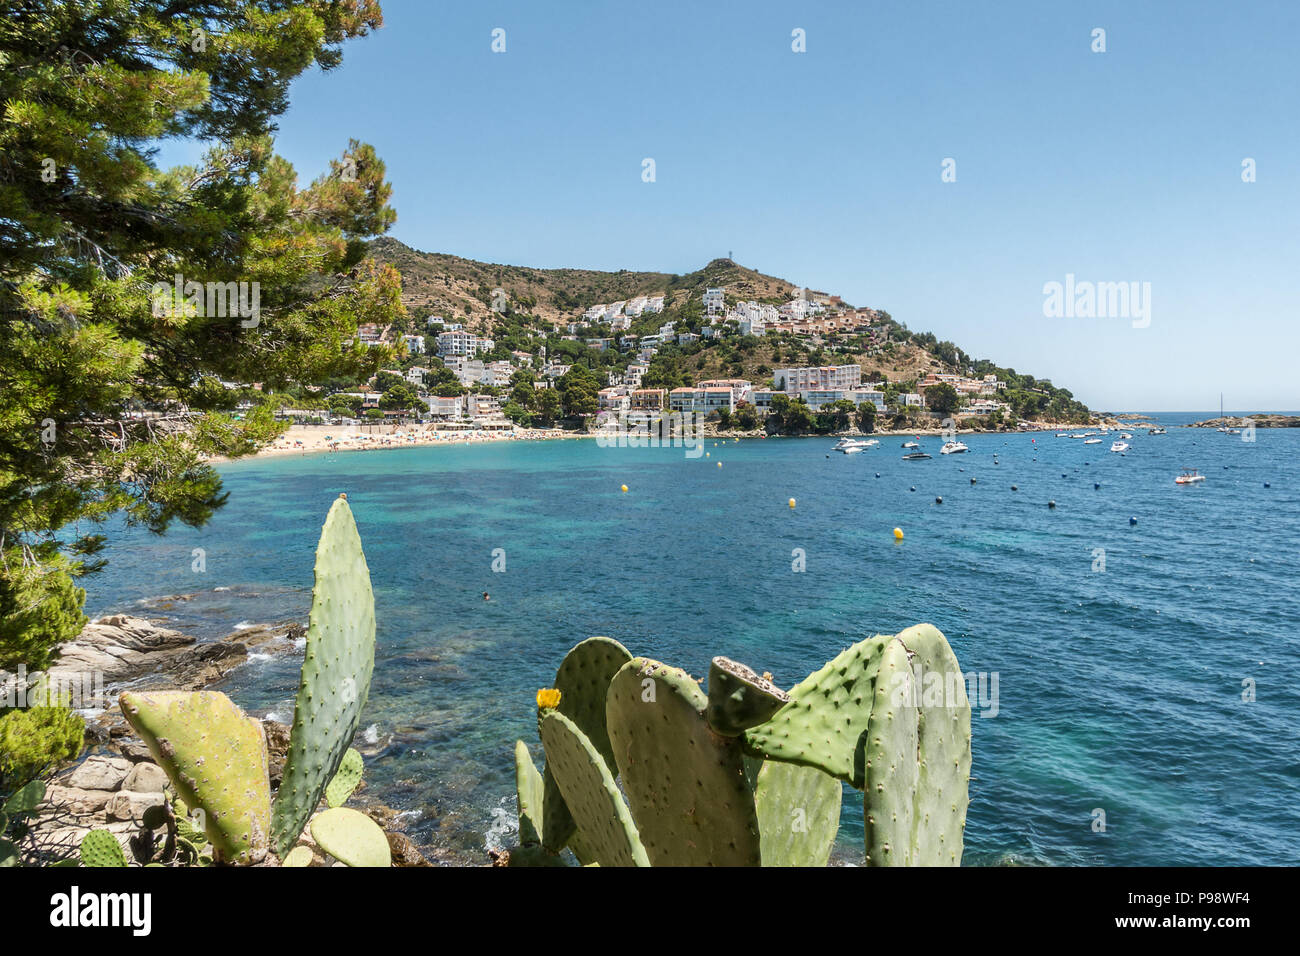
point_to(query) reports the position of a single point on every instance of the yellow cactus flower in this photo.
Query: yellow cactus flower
(548, 698)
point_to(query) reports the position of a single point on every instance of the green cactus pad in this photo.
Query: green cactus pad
(890, 788)
(299, 856)
(336, 671)
(589, 790)
(686, 784)
(351, 837)
(528, 794)
(100, 848)
(739, 698)
(943, 749)
(582, 680)
(215, 757)
(826, 720)
(351, 767)
(798, 814)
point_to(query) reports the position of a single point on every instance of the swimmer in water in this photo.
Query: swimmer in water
(486, 597)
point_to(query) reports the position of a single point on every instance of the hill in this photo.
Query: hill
(542, 302)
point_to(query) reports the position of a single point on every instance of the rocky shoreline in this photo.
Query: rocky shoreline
(1259, 421)
(115, 781)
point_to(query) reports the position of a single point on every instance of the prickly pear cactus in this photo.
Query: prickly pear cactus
(582, 680)
(351, 837)
(798, 814)
(943, 749)
(351, 767)
(826, 719)
(739, 698)
(528, 794)
(336, 671)
(685, 783)
(889, 792)
(591, 794)
(215, 757)
(100, 848)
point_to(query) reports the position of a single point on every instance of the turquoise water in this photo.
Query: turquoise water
(1119, 690)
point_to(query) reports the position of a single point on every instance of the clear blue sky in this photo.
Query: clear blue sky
(824, 167)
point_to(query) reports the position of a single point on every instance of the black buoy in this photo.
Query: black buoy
(877, 474)
(1267, 485)
(972, 481)
(1132, 521)
(1014, 488)
(913, 488)
(1051, 504)
(1096, 485)
(938, 499)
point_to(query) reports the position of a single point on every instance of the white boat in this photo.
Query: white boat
(1156, 431)
(1062, 435)
(1120, 446)
(1189, 477)
(1092, 441)
(911, 444)
(952, 448)
(1125, 436)
(851, 446)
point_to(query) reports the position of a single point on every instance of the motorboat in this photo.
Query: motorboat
(1124, 436)
(1120, 446)
(851, 446)
(916, 456)
(1190, 476)
(911, 444)
(1062, 435)
(1157, 431)
(1092, 441)
(952, 448)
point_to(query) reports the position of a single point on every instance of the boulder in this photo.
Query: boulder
(74, 801)
(99, 773)
(127, 805)
(146, 777)
(404, 851)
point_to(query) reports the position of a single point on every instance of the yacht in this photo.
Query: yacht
(1120, 446)
(1092, 441)
(916, 456)
(952, 448)
(911, 444)
(1156, 431)
(851, 446)
(1189, 477)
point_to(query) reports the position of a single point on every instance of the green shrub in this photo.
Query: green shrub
(36, 738)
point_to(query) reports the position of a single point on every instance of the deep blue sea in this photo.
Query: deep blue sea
(1118, 690)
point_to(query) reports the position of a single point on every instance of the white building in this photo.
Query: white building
(817, 377)
(714, 300)
(414, 344)
(460, 343)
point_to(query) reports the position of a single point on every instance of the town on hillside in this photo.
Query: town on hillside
(709, 354)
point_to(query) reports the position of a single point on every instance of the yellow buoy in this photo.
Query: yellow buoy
(719, 464)
(898, 534)
(625, 489)
(791, 502)
(708, 454)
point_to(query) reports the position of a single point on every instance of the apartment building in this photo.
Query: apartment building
(823, 377)
(461, 343)
(647, 399)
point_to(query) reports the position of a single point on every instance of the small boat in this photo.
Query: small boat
(1092, 441)
(1189, 477)
(952, 448)
(1062, 435)
(916, 456)
(1124, 436)
(1156, 431)
(1120, 446)
(911, 444)
(1231, 431)
(851, 446)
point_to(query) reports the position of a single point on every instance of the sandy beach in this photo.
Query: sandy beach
(314, 439)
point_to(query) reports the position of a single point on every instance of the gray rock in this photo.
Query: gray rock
(146, 778)
(130, 806)
(99, 773)
(74, 801)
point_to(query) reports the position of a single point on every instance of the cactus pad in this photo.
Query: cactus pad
(739, 698)
(528, 794)
(889, 793)
(825, 722)
(100, 848)
(346, 780)
(299, 856)
(685, 783)
(351, 837)
(598, 809)
(336, 671)
(215, 757)
(798, 814)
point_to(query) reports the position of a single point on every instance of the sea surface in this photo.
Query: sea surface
(1148, 673)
